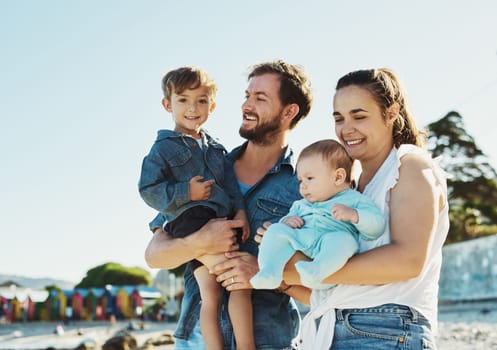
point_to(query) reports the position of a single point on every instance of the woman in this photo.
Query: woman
(387, 294)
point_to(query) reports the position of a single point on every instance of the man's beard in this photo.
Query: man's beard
(262, 134)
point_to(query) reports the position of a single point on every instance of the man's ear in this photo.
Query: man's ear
(340, 176)
(167, 104)
(290, 111)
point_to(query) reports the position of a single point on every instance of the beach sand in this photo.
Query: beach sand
(41, 335)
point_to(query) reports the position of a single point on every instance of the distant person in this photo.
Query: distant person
(186, 178)
(324, 225)
(277, 98)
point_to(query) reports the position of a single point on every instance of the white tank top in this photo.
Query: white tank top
(420, 293)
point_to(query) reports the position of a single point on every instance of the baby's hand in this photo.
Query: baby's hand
(293, 221)
(241, 215)
(200, 191)
(344, 213)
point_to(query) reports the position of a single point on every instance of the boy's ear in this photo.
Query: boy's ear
(212, 107)
(340, 176)
(167, 104)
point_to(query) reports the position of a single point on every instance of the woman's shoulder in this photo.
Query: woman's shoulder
(415, 160)
(414, 156)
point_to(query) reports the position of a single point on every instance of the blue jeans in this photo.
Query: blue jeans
(389, 326)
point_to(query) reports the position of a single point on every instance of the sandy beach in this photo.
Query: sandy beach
(41, 335)
(461, 327)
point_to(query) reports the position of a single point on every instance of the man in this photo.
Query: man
(277, 98)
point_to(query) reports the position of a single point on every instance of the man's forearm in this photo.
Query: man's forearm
(166, 252)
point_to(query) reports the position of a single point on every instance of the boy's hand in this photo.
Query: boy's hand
(242, 215)
(293, 221)
(343, 213)
(200, 191)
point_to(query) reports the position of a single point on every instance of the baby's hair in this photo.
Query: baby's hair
(185, 78)
(332, 152)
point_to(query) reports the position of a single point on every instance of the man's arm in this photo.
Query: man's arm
(215, 237)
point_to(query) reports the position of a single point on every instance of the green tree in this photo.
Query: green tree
(116, 274)
(472, 182)
(52, 287)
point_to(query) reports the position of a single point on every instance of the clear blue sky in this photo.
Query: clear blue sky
(80, 98)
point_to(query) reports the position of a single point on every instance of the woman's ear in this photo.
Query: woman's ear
(392, 112)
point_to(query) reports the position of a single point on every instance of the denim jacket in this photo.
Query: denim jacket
(276, 319)
(174, 159)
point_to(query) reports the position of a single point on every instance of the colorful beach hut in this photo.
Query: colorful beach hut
(78, 304)
(124, 308)
(56, 305)
(93, 303)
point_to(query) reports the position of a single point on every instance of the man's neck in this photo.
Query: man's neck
(258, 159)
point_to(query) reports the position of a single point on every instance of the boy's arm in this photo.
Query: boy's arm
(233, 189)
(156, 186)
(231, 186)
(157, 222)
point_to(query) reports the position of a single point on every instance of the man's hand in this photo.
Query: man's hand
(200, 191)
(236, 272)
(218, 236)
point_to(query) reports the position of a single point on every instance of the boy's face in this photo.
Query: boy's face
(190, 109)
(318, 181)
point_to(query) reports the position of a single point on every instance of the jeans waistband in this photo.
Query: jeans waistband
(396, 309)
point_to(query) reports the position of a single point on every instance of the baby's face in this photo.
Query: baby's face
(316, 179)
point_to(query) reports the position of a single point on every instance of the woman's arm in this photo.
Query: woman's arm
(215, 237)
(414, 205)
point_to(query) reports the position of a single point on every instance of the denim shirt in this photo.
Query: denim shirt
(173, 160)
(276, 319)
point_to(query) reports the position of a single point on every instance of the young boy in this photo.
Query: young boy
(324, 225)
(186, 178)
